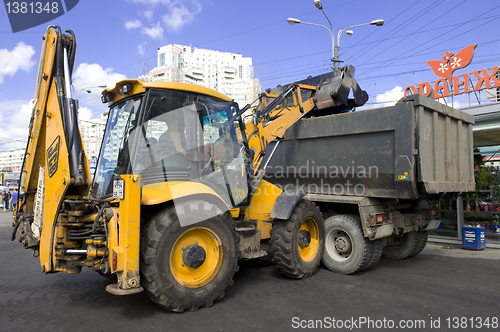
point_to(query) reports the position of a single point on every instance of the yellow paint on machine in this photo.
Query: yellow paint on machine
(156, 193)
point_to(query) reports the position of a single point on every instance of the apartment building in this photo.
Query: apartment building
(229, 73)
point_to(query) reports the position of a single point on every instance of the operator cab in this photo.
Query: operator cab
(174, 134)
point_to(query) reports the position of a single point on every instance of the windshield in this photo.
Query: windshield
(177, 136)
(114, 156)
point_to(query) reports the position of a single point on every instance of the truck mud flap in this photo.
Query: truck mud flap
(433, 224)
(383, 231)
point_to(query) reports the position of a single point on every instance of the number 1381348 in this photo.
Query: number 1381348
(32, 7)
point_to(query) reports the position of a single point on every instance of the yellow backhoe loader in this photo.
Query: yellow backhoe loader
(178, 195)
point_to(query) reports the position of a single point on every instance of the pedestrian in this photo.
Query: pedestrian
(5, 200)
(13, 199)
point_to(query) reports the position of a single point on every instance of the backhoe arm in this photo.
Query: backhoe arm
(55, 167)
(275, 118)
(281, 107)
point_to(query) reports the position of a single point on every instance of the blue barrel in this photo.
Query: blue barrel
(473, 238)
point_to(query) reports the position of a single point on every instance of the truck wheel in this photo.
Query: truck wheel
(401, 246)
(297, 243)
(376, 248)
(376, 252)
(185, 268)
(422, 237)
(346, 249)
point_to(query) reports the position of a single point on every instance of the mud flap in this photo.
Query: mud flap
(433, 224)
(383, 231)
(285, 203)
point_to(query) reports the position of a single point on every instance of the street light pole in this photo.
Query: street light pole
(335, 48)
(293, 21)
(87, 89)
(374, 22)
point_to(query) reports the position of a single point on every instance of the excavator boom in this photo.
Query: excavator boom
(55, 166)
(281, 107)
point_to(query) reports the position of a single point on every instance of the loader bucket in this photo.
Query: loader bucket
(332, 92)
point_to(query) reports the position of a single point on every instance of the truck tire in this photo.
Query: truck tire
(401, 246)
(376, 248)
(186, 268)
(297, 243)
(422, 237)
(376, 253)
(346, 251)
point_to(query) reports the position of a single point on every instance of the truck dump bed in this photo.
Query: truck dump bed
(415, 149)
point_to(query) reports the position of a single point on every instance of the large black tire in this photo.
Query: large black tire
(404, 246)
(172, 272)
(376, 253)
(422, 237)
(376, 248)
(297, 243)
(346, 251)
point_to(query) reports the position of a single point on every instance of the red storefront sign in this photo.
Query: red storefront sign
(459, 84)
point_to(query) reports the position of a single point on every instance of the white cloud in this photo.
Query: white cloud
(156, 32)
(84, 114)
(148, 14)
(177, 13)
(453, 103)
(15, 118)
(15, 114)
(132, 24)
(140, 49)
(17, 59)
(180, 16)
(89, 76)
(390, 98)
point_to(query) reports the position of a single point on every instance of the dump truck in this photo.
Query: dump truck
(371, 173)
(178, 195)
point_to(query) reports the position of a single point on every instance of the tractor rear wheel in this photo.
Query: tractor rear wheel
(185, 268)
(297, 243)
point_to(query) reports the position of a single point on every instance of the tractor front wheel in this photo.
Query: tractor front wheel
(185, 268)
(297, 243)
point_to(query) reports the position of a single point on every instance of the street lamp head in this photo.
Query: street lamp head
(377, 22)
(317, 4)
(293, 21)
(349, 32)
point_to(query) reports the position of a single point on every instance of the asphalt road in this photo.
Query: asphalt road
(444, 288)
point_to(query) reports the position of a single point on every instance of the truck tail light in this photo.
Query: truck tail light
(378, 219)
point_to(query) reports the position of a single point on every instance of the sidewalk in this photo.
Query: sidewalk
(456, 250)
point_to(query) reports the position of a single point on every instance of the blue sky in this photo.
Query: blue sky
(114, 38)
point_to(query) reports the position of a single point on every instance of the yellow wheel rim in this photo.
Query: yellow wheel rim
(307, 253)
(200, 276)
